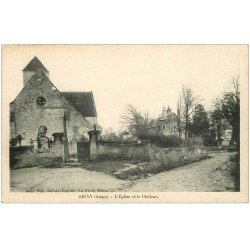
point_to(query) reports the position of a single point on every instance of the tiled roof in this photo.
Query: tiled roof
(34, 65)
(83, 102)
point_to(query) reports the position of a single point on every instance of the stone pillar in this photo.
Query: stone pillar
(59, 145)
(93, 139)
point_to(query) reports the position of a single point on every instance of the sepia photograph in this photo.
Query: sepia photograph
(125, 123)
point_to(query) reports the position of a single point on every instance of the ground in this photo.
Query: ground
(210, 175)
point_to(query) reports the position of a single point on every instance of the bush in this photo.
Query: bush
(166, 159)
(164, 141)
(162, 159)
(236, 171)
(192, 142)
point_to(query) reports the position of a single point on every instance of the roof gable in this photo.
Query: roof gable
(35, 65)
(83, 102)
(40, 84)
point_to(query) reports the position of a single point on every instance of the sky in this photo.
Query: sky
(146, 76)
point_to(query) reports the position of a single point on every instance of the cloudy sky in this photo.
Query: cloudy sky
(146, 76)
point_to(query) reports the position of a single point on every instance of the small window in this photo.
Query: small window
(40, 100)
(163, 126)
(12, 116)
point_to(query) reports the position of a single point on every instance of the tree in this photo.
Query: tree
(110, 134)
(179, 122)
(231, 109)
(138, 123)
(216, 119)
(189, 100)
(200, 125)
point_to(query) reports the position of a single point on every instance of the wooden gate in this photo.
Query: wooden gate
(83, 150)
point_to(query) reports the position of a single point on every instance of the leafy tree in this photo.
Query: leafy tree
(200, 125)
(231, 109)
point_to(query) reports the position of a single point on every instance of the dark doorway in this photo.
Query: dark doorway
(83, 150)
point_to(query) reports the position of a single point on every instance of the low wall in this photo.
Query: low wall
(122, 150)
(26, 156)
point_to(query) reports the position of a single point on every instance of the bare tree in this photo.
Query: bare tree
(138, 123)
(179, 110)
(216, 119)
(189, 100)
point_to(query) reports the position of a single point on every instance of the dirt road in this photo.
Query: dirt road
(210, 175)
(66, 179)
(207, 175)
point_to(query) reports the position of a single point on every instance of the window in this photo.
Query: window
(40, 100)
(163, 126)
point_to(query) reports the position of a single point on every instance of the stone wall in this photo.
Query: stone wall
(28, 116)
(28, 74)
(27, 156)
(123, 150)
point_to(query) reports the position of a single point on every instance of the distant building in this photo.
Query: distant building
(166, 123)
(226, 133)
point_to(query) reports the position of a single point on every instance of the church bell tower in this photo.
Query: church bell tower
(33, 66)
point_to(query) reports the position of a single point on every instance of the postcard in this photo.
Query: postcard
(124, 123)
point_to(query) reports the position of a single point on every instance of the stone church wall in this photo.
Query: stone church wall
(28, 74)
(27, 116)
(77, 130)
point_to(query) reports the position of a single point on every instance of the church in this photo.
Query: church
(41, 114)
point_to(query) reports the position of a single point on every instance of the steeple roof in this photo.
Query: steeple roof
(35, 65)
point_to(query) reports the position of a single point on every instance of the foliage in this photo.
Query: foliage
(192, 142)
(231, 108)
(236, 170)
(216, 122)
(166, 141)
(162, 159)
(200, 124)
(109, 134)
(167, 159)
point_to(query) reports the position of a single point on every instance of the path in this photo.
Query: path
(70, 179)
(210, 175)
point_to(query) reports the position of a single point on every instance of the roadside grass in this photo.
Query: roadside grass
(161, 160)
(106, 167)
(167, 159)
(235, 170)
